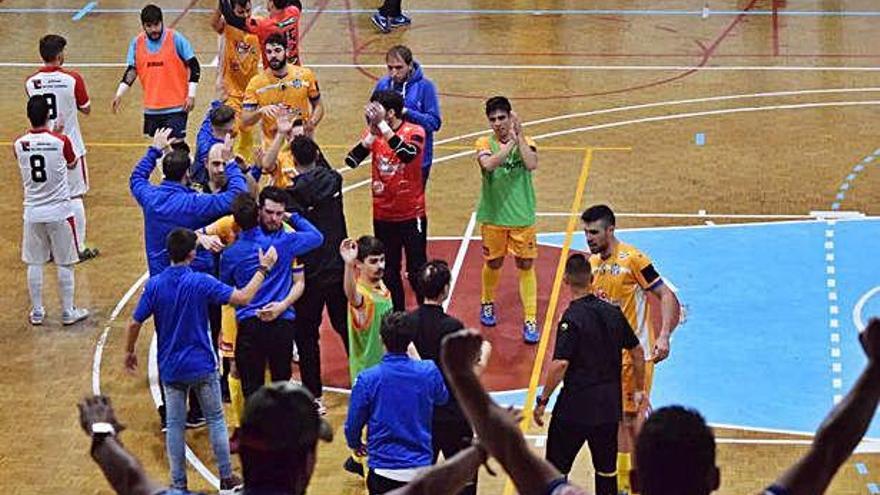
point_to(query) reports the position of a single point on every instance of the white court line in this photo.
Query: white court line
(102, 340)
(857, 309)
(686, 215)
(459, 257)
(541, 67)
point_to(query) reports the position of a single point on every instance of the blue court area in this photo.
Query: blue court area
(757, 349)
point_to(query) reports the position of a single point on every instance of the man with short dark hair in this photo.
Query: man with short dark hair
(420, 102)
(590, 338)
(263, 340)
(399, 214)
(451, 431)
(219, 123)
(283, 20)
(395, 400)
(166, 64)
(65, 91)
(179, 298)
(316, 192)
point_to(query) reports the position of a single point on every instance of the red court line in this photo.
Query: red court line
(775, 27)
(322, 5)
(421, 53)
(183, 13)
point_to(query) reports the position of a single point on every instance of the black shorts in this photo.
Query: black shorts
(175, 120)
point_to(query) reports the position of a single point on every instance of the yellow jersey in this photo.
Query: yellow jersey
(623, 280)
(239, 62)
(294, 92)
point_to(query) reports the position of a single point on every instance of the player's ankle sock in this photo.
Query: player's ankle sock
(66, 284)
(623, 467)
(490, 283)
(79, 221)
(528, 293)
(35, 284)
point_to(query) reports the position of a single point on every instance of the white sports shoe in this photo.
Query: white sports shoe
(36, 316)
(73, 315)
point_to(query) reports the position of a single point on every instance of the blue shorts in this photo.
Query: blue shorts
(175, 120)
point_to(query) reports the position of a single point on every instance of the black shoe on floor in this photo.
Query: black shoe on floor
(193, 421)
(353, 466)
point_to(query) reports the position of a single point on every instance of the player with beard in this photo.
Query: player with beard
(166, 64)
(284, 17)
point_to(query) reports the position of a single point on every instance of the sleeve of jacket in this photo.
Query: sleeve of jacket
(306, 236)
(203, 145)
(429, 119)
(208, 207)
(139, 182)
(358, 412)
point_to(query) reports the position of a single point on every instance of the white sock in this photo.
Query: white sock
(65, 286)
(35, 284)
(79, 218)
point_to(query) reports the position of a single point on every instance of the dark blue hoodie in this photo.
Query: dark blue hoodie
(422, 105)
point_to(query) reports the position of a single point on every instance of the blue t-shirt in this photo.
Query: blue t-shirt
(184, 51)
(178, 299)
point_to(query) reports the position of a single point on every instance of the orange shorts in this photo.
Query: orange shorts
(628, 382)
(498, 241)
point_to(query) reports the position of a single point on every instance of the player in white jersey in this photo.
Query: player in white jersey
(67, 95)
(44, 158)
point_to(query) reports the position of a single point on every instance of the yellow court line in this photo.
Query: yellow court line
(528, 407)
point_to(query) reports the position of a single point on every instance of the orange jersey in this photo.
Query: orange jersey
(163, 75)
(623, 280)
(295, 92)
(240, 60)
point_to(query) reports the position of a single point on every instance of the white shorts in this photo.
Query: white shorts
(78, 178)
(58, 239)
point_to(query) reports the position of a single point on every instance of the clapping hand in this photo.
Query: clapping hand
(161, 139)
(268, 258)
(348, 250)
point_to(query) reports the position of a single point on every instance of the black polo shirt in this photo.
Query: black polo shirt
(590, 336)
(431, 324)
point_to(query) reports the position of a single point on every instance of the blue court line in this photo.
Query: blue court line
(536, 12)
(85, 10)
(873, 488)
(861, 468)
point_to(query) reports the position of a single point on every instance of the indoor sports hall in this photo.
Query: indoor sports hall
(737, 141)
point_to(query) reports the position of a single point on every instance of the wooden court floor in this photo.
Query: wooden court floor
(777, 142)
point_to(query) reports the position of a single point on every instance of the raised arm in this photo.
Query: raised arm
(245, 294)
(225, 8)
(139, 181)
(348, 250)
(448, 477)
(842, 429)
(306, 236)
(495, 427)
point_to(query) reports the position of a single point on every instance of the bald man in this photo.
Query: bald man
(216, 168)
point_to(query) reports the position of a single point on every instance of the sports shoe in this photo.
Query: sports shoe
(531, 335)
(195, 421)
(487, 314)
(353, 466)
(381, 22)
(401, 20)
(88, 253)
(73, 315)
(319, 405)
(163, 423)
(36, 316)
(230, 485)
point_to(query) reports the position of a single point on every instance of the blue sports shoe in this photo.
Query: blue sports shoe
(531, 335)
(487, 314)
(381, 22)
(401, 20)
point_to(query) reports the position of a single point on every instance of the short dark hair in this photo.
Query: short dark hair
(275, 39)
(244, 211)
(272, 193)
(675, 451)
(599, 212)
(498, 103)
(396, 331)
(402, 52)
(390, 100)
(180, 145)
(304, 150)
(222, 115)
(38, 110)
(151, 14)
(369, 246)
(51, 46)
(175, 164)
(179, 243)
(433, 277)
(240, 3)
(280, 4)
(578, 271)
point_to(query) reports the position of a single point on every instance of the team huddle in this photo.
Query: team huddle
(246, 245)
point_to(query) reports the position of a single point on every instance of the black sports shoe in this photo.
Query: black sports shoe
(163, 424)
(195, 421)
(353, 466)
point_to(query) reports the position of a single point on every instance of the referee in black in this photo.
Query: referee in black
(589, 340)
(451, 430)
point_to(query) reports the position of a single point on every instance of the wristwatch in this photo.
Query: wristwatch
(103, 429)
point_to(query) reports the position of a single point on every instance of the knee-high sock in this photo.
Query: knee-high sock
(35, 284)
(490, 283)
(623, 466)
(528, 293)
(236, 396)
(66, 284)
(79, 218)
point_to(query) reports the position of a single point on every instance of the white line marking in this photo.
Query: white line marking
(830, 270)
(710, 223)
(829, 245)
(836, 367)
(831, 283)
(832, 296)
(834, 309)
(837, 383)
(835, 352)
(835, 338)
(835, 323)
(829, 256)
(688, 215)
(459, 257)
(837, 399)
(829, 234)
(857, 309)
(102, 340)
